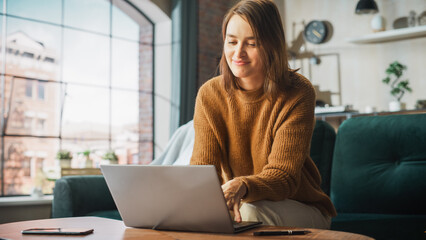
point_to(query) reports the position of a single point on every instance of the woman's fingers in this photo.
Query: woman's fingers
(233, 191)
(234, 205)
(237, 213)
(230, 203)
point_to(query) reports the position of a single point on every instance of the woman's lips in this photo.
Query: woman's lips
(239, 62)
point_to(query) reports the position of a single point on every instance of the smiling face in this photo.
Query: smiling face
(242, 54)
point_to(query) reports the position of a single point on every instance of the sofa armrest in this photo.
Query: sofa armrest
(81, 195)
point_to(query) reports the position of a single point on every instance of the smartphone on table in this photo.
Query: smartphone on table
(58, 231)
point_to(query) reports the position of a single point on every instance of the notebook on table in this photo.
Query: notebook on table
(181, 198)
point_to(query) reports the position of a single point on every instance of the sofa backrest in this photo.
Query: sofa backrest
(322, 146)
(79, 195)
(379, 165)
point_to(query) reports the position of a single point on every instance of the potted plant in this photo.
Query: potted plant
(89, 162)
(64, 157)
(398, 86)
(110, 157)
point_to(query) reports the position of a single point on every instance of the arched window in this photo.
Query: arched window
(90, 65)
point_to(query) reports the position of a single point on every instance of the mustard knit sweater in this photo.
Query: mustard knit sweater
(262, 143)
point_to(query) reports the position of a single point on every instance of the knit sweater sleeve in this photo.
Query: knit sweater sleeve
(280, 178)
(207, 143)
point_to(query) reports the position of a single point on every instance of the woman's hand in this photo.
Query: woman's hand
(234, 190)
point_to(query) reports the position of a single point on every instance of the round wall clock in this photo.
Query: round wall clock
(316, 32)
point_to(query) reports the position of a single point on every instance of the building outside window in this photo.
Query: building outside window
(91, 64)
(40, 124)
(29, 89)
(28, 122)
(40, 91)
(28, 55)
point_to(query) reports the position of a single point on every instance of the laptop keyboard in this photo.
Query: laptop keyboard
(242, 224)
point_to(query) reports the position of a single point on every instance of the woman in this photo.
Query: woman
(254, 122)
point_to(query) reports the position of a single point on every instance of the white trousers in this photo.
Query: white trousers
(288, 213)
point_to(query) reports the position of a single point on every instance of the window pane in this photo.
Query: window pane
(125, 64)
(32, 49)
(29, 163)
(41, 88)
(28, 114)
(128, 23)
(125, 120)
(86, 58)
(29, 89)
(86, 113)
(123, 25)
(93, 15)
(127, 152)
(44, 10)
(78, 147)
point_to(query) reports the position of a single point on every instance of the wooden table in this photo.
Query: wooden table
(113, 229)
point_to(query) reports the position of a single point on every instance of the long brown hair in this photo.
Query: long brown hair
(265, 22)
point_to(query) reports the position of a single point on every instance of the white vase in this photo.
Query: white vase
(378, 23)
(370, 109)
(396, 106)
(65, 163)
(37, 192)
(89, 163)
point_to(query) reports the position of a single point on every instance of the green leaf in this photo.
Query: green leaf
(386, 80)
(402, 84)
(64, 154)
(390, 71)
(110, 155)
(395, 91)
(86, 153)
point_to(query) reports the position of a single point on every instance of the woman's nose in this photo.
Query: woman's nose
(239, 51)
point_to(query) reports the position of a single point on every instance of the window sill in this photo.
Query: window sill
(25, 201)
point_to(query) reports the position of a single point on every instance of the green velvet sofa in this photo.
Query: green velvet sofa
(378, 179)
(374, 170)
(75, 196)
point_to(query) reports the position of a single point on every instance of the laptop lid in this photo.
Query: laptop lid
(185, 198)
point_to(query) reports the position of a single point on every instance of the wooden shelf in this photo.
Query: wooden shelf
(391, 35)
(335, 119)
(80, 171)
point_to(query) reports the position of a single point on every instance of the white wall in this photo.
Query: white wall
(362, 65)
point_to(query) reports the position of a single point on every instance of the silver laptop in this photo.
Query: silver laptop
(182, 198)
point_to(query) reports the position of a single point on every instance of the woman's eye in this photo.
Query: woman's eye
(232, 42)
(252, 44)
